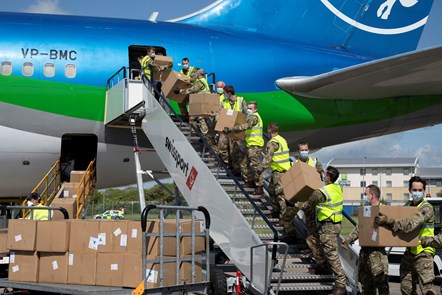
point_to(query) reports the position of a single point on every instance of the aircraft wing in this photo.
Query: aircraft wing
(410, 74)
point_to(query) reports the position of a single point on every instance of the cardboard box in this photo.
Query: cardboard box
(77, 175)
(22, 234)
(300, 181)
(186, 242)
(70, 189)
(153, 242)
(53, 236)
(176, 80)
(132, 272)
(4, 243)
(23, 266)
(69, 204)
(110, 268)
(134, 238)
(82, 268)
(372, 236)
(112, 236)
(162, 61)
(203, 104)
(84, 236)
(230, 118)
(53, 268)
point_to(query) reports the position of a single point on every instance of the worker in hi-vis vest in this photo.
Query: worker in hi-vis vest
(34, 200)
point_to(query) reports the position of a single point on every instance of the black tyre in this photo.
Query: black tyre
(218, 282)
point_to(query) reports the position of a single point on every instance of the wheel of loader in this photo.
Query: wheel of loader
(218, 282)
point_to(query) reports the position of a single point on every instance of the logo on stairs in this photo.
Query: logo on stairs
(192, 177)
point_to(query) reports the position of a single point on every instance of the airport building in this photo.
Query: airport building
(390, 174)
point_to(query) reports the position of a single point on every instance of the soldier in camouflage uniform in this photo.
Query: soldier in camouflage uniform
(328, 201)
(373, 261)
(190, 72)
(417, 262)
(277, 157)
(254, 144)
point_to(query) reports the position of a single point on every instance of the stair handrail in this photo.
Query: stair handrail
(85, 187)
(219, 160)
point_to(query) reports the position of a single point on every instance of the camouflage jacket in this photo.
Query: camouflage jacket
(270, 149)
(248, 124)
(425, 214)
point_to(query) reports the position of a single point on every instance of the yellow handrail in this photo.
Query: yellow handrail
(85, 187)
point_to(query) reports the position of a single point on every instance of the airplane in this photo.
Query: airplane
(327, 71)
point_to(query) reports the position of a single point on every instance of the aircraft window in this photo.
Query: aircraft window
(70, 71)
(6, 69)
(28, 69)
(49, 70)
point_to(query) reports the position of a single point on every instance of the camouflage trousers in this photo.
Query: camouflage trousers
(324, 246)
(229, 151)
(288, 221)
(416, 269)
(373, 271)
(276, 193)
(310, 217)
(206, 130)
(183, 107)
(252, 158)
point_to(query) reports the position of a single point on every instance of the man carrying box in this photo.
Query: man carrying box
(254, 144)
(148, 65)
(328, 202)
(417, 262)
(373, 261)
(303, 150)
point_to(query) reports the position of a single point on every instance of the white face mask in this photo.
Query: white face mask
(152, 54)
(219, 90)
(249, 112)
(30, 203)
(417, 196)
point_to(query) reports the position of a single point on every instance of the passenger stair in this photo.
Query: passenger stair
(240, 220)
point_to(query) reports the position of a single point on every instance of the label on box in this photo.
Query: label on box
(229, 112)
(12, 257)
(66, 194)
(367, 211)
(18, 238)
(123, 240)
(117, 232)
(152, 275)
(102, 239)
(134, 233)
(374, 235)
(15, 268)
(71, 259)
(93, 243)
(114, 266)
(54, 265)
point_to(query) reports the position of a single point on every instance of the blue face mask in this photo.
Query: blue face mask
(365, 201)
(249, 112)
(219, 90)
(303, 154)
(417, 196)
(185, 66)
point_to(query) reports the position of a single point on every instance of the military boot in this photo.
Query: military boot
(339, 291)
(248, 184)
(259, 190)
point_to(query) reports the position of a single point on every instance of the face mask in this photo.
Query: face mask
(152, 54)
(303, 154)
(185, 66)
(30, 203)
(417, 196)
(365, 201)
(219, 90)
(249, 112)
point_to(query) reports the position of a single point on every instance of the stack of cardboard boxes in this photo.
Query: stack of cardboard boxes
(92, 252)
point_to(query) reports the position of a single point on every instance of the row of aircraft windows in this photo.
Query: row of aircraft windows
(27, 70)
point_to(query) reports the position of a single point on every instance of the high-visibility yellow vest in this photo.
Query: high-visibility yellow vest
(145, 65)
(281, 158)
(206, 85)
(426, 230)
(254, 135)
(38, 214)
(189, 72)
(221, 99)
(333, 205)
(310, 161)
(236, 107)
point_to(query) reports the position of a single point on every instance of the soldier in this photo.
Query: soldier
(228, 148)
(149, 66)
(417, 262)
(304, 157)
(254, 144)
(277, 157)
(373, 261)
(328, 202)
(220, 90)
(188, 70)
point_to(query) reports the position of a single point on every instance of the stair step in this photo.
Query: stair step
(268, 237)
(259, 218)
(252, 211)
(266, 227)
(296, 265)
(305, 276)
(305, 286)
(293, 256)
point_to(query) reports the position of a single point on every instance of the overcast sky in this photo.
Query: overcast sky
(425, 143)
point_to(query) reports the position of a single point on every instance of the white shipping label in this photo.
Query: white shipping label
(229, 112)
(54, 265)
(117, 232)
(134, 233)
(15, 268)
(374, 236)
(12, 257)
(367, 211)
(71, 259)
(93, 243)
(66, 194)
(114, 266)
(123, 240)
(152, 275)
(102, 239)
(18, 238)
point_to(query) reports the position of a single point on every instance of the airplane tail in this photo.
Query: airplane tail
(375, 28)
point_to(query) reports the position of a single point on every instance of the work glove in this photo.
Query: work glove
(176, 91)
(383, 219)
(227, 130)
(426, 241)
(346, 242)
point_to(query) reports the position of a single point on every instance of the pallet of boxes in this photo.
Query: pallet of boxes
(95, 252)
